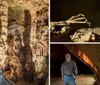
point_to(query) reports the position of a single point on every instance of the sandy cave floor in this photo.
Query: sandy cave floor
(80, 80)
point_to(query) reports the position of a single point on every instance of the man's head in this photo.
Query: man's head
(67, 57)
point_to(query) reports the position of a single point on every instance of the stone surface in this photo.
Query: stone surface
(24, 30)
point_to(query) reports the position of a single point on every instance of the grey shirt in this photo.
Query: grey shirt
(69, 68)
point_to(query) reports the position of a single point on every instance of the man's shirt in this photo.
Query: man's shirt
(69, 68)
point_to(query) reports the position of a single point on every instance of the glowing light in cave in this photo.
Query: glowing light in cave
(83, 57)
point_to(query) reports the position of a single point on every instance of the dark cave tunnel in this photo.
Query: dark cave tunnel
(57, 58)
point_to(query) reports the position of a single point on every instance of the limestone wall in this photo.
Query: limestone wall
(24, 30)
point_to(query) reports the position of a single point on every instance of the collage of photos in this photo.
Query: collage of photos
(75, 42)
(49, 42)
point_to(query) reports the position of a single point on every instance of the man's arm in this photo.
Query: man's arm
(62, 74)
(75, 69)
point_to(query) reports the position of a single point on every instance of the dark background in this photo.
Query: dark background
(64, 9)
(58, 57)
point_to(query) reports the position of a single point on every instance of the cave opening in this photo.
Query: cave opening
(58, 57)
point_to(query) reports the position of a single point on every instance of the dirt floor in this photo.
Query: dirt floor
(21, 82)
(26, 83)
(35, 82)
(80, 80)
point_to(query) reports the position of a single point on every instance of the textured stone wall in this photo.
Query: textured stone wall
(3, 29)
(24, 32)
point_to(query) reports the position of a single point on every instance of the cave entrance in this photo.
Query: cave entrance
(58, 57)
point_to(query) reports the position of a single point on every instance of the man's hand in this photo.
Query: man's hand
(62, 78)
(75, 76)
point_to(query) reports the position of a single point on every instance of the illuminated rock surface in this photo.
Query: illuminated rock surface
(24, 34)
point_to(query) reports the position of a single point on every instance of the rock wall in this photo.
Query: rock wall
(24, 31)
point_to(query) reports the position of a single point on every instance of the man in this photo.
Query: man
(68, 69)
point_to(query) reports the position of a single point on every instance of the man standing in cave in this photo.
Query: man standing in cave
(68, 69)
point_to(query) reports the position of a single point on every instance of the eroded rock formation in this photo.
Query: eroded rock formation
(24, 37)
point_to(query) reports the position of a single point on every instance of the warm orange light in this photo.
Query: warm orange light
(83, 57)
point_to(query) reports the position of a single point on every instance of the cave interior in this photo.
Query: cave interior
(58, 57)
